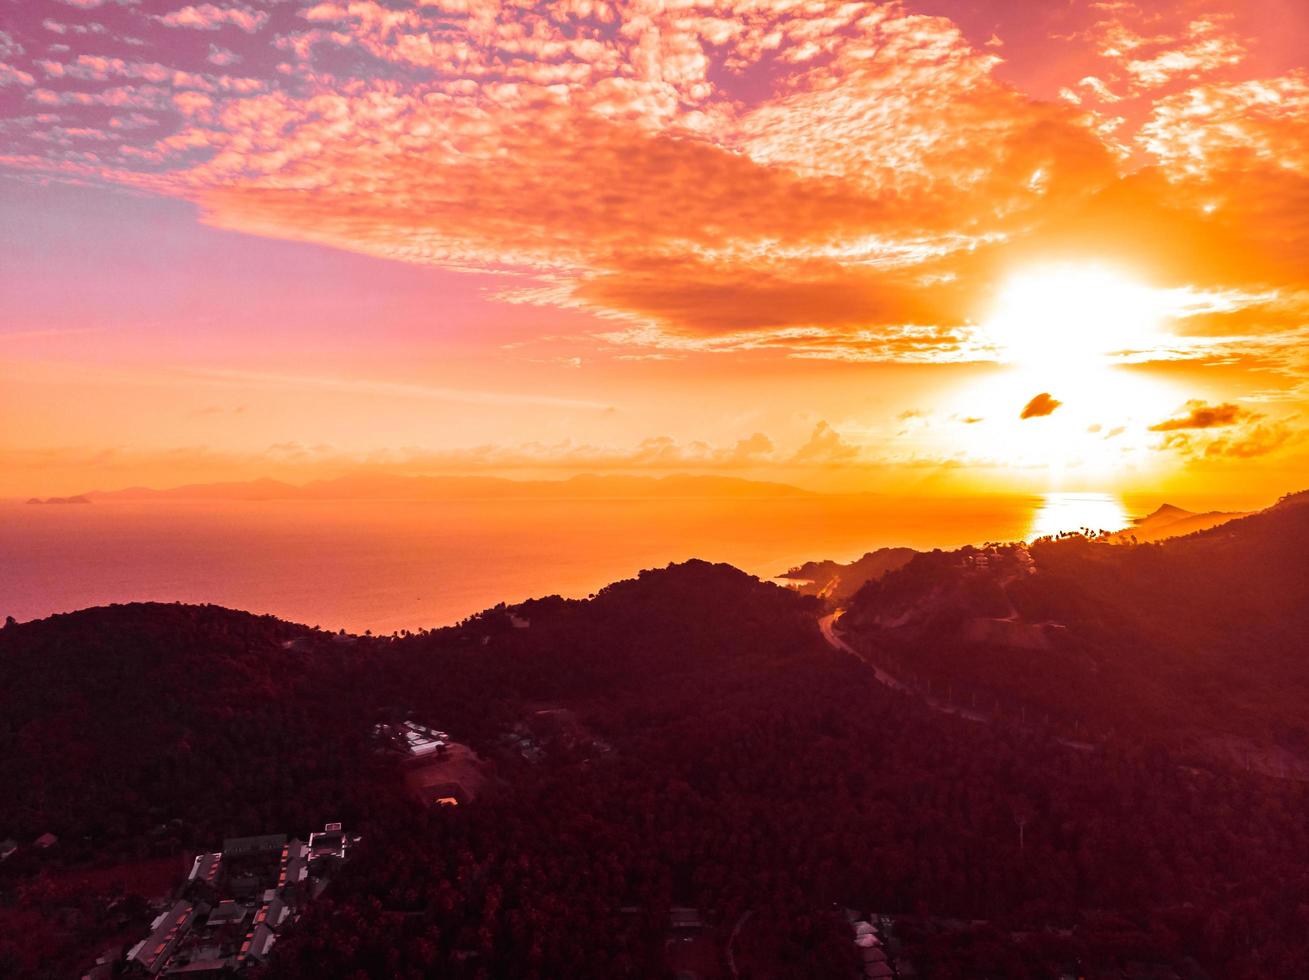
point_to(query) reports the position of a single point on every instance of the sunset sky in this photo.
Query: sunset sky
(981, 245)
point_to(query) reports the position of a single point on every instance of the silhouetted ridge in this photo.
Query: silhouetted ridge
(1198, 633)
(642, 769)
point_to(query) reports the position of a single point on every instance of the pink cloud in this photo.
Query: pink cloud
(825, 179)
(221, 57)
(9, 75)
(208, 17)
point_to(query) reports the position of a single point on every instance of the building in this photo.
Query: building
(166, 932)
(294, 866)
(328, 842)
(412, 738)
(227, 913)
(244, 846)
(273, 912)
(46, 840)
(257, 945)
(206, 867)
(238, 899)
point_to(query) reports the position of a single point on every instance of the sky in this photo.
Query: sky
(935, 247)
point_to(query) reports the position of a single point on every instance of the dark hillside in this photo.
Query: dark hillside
(1202, 633)
(684, 741)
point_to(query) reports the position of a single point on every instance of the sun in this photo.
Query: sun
(1073, 316)
(1070, 335)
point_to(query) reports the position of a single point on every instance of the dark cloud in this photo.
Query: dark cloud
(1041, 405)
(1201, 416)
(1244, 441)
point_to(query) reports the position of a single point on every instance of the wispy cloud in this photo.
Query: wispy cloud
(836, 180)
(367, 386)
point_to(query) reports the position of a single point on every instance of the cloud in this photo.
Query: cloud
(1244, 441)
(9, 75)
(828, 180)
(10, 48)
(27, 471)
(825, 446)
(1204, 48)
(222, 57)
(1040, 405)
(1201, 416)
(368, 386)
(208, 17)
(635, 160)
(92, 4)
(1260, 440)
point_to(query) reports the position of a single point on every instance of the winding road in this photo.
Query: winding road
(827, 625)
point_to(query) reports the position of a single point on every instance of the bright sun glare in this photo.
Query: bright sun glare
(1060, 331)
(1077, 511)
(1062, 316)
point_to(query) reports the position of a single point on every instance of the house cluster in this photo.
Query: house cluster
(411, 738)
(870, 939)
(234, 904)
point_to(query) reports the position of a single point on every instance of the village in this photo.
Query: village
(235, 902)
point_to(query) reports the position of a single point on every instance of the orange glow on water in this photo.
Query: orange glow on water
(1077, 512)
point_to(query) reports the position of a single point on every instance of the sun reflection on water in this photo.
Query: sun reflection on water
(1076, 511)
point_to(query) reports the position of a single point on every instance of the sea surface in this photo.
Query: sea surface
(392, 565)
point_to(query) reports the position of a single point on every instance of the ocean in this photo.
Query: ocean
(392, 565)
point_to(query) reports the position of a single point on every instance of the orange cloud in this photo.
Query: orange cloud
(1201, 416)
(1040, 406)
(821, 180)
(825, 446)
(208, 17)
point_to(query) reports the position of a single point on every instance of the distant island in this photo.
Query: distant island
(835, 581)
(390, 486)
(1168, 521)
(79, 499)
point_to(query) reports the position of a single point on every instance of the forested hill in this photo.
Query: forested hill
(191, 719)
(1198, 634)
(685, 739)
(212, 721)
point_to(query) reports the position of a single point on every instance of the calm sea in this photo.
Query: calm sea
(403, 565)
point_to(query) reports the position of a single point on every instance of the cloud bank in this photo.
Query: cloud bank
(834, 180)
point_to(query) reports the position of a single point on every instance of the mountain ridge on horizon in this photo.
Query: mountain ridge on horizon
(384, 486)
(885, 560)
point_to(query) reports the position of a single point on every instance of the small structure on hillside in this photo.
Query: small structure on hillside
(205, 868)
(46, 840)
(411, 738)
(294, 866)
(331, 841)
(874, 956)
(226, 913)
(151, 954)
